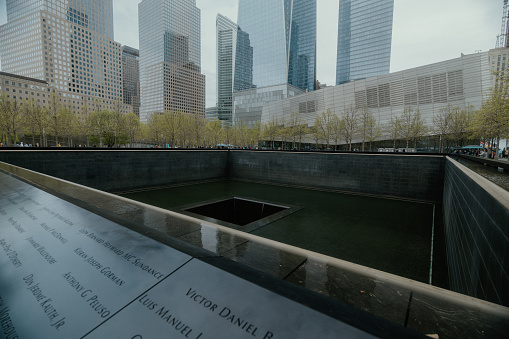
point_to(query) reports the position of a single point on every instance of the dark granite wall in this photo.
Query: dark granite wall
(121, 170)
(407, 176)
(477, 235)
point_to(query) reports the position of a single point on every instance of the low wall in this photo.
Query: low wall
(408, 176)
(476, 221)
(111, 170)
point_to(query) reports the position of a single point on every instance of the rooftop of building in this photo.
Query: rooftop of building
(22, 77)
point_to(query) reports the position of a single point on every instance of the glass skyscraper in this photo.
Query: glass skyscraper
(170, 61)
(226, 39)
(67, 43)
(234, 65)
(364, 39)
(282, 35)
(131, 77)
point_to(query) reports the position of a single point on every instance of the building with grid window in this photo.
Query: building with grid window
(170, 60)
(131, 77)
(68, 44)
(364, 39)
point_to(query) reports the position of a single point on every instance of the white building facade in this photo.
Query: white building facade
(460, 82)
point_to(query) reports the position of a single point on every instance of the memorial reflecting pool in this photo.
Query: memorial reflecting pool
(391, 235)
(496, 175)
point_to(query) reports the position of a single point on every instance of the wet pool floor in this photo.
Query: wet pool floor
(386, 234)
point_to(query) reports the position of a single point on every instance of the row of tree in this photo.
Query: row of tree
(58, 123)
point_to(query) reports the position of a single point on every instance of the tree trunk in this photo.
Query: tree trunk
(496, 149)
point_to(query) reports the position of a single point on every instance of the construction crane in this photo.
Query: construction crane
(503, 39)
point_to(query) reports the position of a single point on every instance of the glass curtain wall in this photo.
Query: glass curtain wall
(282, 35)
(364, 39)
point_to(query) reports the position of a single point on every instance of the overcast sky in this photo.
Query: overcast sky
(424, 32)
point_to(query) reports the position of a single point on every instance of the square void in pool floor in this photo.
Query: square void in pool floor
(240, 213)
(237, 211)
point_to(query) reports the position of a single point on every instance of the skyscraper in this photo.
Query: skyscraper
(69, 44)
(170, 61)
(234, 65)
(283, 37)
(131, 77)
(364, 39)
(226, 40)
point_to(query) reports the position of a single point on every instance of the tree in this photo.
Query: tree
(270, 131)
(85, 112)
(324, 124)
(118, 129)
(491, 121)
(214, 131)
(411, 126)
(198, 125)
(282, 132)
(392, 129)
(68, 124)
(172, 123)
(441, 124)
(36, 120)
(155, 127)
(255, 133)
(185, 129)
(228, 134)
(337, 128)
(133, 126)
(368, 130)
(97, 122)
(11, 118)
(243, 136)
(350, 125)
(405, 124)
(297, 128)
(419, 127)
(458, 123)
(373, 132)
(54, 112)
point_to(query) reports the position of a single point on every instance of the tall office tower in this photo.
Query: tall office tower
(170, 64)
(283, 37)
(67, 43)
(364, 39)
(131, 77)
(234, 65)
(226, 40)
